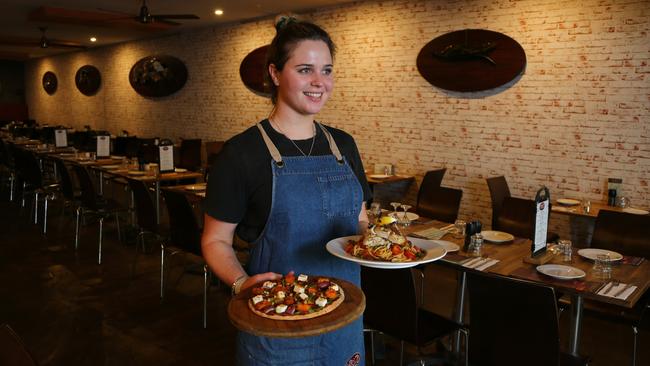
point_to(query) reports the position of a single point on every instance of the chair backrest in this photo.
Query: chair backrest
(442, 204)
(498, 192)
(212, 149)
(12, 349)
(517, 217)
(622, 232)
(65, 181)
(391, 302)
(183, 227)
(122, 145)
(431, 181)
(190, 154)
(87, 188)
(512, 322)
(144, 205)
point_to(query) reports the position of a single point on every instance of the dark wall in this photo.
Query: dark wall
(12, 90)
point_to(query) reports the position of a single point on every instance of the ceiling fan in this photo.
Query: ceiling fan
(42, 42)
(146, 17)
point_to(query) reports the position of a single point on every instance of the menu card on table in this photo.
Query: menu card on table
(166, 158)
(103, 146)
(542, 212)
(61, 138)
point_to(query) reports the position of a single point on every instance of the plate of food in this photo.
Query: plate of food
(497, 236)
(296, 297)
(560, 271)
(180, 170)
(568, 201)
(383, 246)
(593, 253)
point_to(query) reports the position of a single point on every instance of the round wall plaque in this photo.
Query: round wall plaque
(252, 71)
(49, 82)
(158, 76)
(471, 60)
(88, 80)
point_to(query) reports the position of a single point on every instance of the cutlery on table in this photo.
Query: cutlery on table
(621, 291)
(614, 285)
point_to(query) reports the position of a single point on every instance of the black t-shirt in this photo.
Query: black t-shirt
(241, 180)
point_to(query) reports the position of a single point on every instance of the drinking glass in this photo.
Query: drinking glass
(375, 211)
(404, 220)
(586, 206)
(459, 229)
(475, 245)
(565, 249)
(602, 267)
(395, 206)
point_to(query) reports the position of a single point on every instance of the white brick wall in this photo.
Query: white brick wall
(579, 114)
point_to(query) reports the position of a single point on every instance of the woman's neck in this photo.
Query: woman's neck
(292, 125)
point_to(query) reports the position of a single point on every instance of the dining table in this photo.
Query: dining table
(510, 262)
(577, 210)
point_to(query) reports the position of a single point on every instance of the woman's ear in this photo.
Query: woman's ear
(273, 71)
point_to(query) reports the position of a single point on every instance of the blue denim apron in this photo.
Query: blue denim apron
(314, 199)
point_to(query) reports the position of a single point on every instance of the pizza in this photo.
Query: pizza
(296, 298)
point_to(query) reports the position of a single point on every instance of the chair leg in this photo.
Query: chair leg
(139, 238)
(76, 232)
(635, 332)
(372, 347)
(36, 195)
(117, 222)
(12, 184)
(101, 232)
(401, 353)
(162, 271)
(206, 271)
(47, 199)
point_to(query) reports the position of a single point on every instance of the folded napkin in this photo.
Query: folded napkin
(619, 291)
(431, 233)
(480, 263)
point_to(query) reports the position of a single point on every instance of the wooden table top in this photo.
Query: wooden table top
(389, 179)
(577, 210)
(147, 176)
(511, 264)
(350, 309)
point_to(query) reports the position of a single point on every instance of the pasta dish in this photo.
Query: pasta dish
(384, 243)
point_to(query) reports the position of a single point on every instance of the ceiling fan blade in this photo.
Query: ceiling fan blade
(93, 19)
(176, 16)
(155, 20)
(19, 41)
(65, 44)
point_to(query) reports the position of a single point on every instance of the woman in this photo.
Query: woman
(289, 185)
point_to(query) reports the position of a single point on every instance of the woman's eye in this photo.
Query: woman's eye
(304, 71)
(328, 72)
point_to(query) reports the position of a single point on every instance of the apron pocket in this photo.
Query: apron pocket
(341, 195)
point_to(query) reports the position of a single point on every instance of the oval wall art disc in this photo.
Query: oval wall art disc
(49, 82)
(471, 60)
(88, 80)
(158, 76)
(252, 71)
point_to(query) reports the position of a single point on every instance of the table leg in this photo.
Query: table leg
(101, 183)
(157, 202)
(576, 324)
(460, 307)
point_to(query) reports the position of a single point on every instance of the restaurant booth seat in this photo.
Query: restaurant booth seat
(91, 204)
(145, 211)
(13, 351)
(627, 234)
(394, 307)
(514, 322)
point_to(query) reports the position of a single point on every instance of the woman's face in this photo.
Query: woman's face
(306, 81)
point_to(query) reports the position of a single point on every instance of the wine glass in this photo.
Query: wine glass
(405, 219)
(395, 206)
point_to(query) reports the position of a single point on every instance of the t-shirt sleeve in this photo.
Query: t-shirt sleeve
(226, 192)
(356, 164)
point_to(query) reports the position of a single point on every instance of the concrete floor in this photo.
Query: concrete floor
(71, 311)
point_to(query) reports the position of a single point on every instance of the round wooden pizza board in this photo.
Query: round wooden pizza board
(245, 320)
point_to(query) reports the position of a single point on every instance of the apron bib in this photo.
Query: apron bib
(314, 199)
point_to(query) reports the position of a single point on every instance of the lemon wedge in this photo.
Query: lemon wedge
(387, 220)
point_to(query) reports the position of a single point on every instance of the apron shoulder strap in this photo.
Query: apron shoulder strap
(275, 154)
(332, 143)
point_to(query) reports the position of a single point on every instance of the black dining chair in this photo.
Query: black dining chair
(91, 204)
(517, 217)
(499, 190)
(627, 234)
(389, 290)
(431, 181)
(441, 204)
(514, 322)
(190, 154)
(145, 212)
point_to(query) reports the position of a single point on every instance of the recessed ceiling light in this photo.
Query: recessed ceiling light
(93, 39)
(218, 12)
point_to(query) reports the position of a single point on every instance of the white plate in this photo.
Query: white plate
(197, 187)
(497, 236)
(591, 253)
(636, 211)
(412, 216)
(449, 246)
(560, 271)
(568, 201)
(180, 170)
(135, 172)
(379, 176)
(435, 251)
